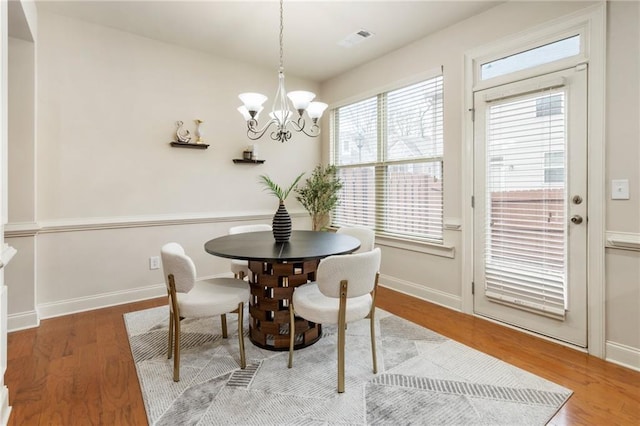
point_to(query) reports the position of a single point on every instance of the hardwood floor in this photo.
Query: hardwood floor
(78, 370)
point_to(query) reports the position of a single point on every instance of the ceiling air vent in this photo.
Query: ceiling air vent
(355, 38)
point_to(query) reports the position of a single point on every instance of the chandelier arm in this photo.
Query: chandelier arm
(252, 128)
(300, 125)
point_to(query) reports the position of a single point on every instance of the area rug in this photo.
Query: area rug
(423, 379)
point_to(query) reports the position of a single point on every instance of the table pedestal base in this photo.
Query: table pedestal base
(272, 286)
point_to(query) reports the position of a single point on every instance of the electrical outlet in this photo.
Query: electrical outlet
(154, 262)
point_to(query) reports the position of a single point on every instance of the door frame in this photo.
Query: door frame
(591, 22)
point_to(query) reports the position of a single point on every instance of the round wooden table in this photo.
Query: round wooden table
(277, 268)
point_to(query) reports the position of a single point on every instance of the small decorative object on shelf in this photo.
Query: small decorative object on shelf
(249, 155)
(199, 131)
(182, 136)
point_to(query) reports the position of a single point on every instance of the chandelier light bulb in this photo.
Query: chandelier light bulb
(253, 101)
(315, 110)
(301, 99)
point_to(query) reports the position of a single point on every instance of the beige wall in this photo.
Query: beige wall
(439, 279)
(108, 103)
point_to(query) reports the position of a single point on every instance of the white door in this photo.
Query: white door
(530, 207)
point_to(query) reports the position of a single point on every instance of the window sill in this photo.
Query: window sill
(425, 247)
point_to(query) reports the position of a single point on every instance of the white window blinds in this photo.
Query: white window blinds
(525, 227)
(388, 150)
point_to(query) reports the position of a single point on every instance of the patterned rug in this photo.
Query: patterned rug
(423, 378)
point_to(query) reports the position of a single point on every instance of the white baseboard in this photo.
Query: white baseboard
(623, 355)
(22, 321)
(5, 408)
(66, 307)
(421, 292)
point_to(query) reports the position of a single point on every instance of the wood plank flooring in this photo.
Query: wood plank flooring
(78, 369)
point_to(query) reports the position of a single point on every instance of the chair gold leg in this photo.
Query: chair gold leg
(342, 325)
(170, 333)
(243, 361)
(292, 333)
(223, 320)
(372, 319)
(176, 352)
(373, 342)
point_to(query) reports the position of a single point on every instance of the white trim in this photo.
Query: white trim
(23, 321)
(13, 230)
(594, 20)
(623, 355)
(623, 240)
(442, 250)
(5, 408)
(81, 304)
(105, 300)
(21, 229)
(596, 333)
(419, 291)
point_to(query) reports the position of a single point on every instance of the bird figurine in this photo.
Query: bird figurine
(183, 135)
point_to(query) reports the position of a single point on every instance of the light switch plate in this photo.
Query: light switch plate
(619, 189)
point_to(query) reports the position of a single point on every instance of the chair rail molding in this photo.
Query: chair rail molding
(13, 230)
(623, 240)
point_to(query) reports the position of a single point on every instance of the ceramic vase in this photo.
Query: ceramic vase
(198, 132)
(281, 224)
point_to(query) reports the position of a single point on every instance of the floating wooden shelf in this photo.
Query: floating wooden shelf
(242, 160)
(190, 145)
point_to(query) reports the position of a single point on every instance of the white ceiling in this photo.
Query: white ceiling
(248, 30)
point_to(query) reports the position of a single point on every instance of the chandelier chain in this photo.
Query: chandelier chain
(281, 36)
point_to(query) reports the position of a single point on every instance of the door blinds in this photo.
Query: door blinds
(525, 239)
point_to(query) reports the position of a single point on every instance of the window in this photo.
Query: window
(531, 58)
(554, 167)
(549, 105)
(388, 151)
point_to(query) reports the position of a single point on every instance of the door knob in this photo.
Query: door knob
(577, 219)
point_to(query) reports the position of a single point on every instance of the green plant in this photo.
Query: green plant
(319, 195)
(275, 189)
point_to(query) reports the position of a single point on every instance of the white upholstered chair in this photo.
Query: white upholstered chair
(240, 268)
(366, 236)
(189, 298)
(344, 291)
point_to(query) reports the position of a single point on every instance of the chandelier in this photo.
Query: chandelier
(281, 116)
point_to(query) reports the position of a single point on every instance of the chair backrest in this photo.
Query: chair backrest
(249, 228)
(358, 269)
(176, 262)
(366, 236)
